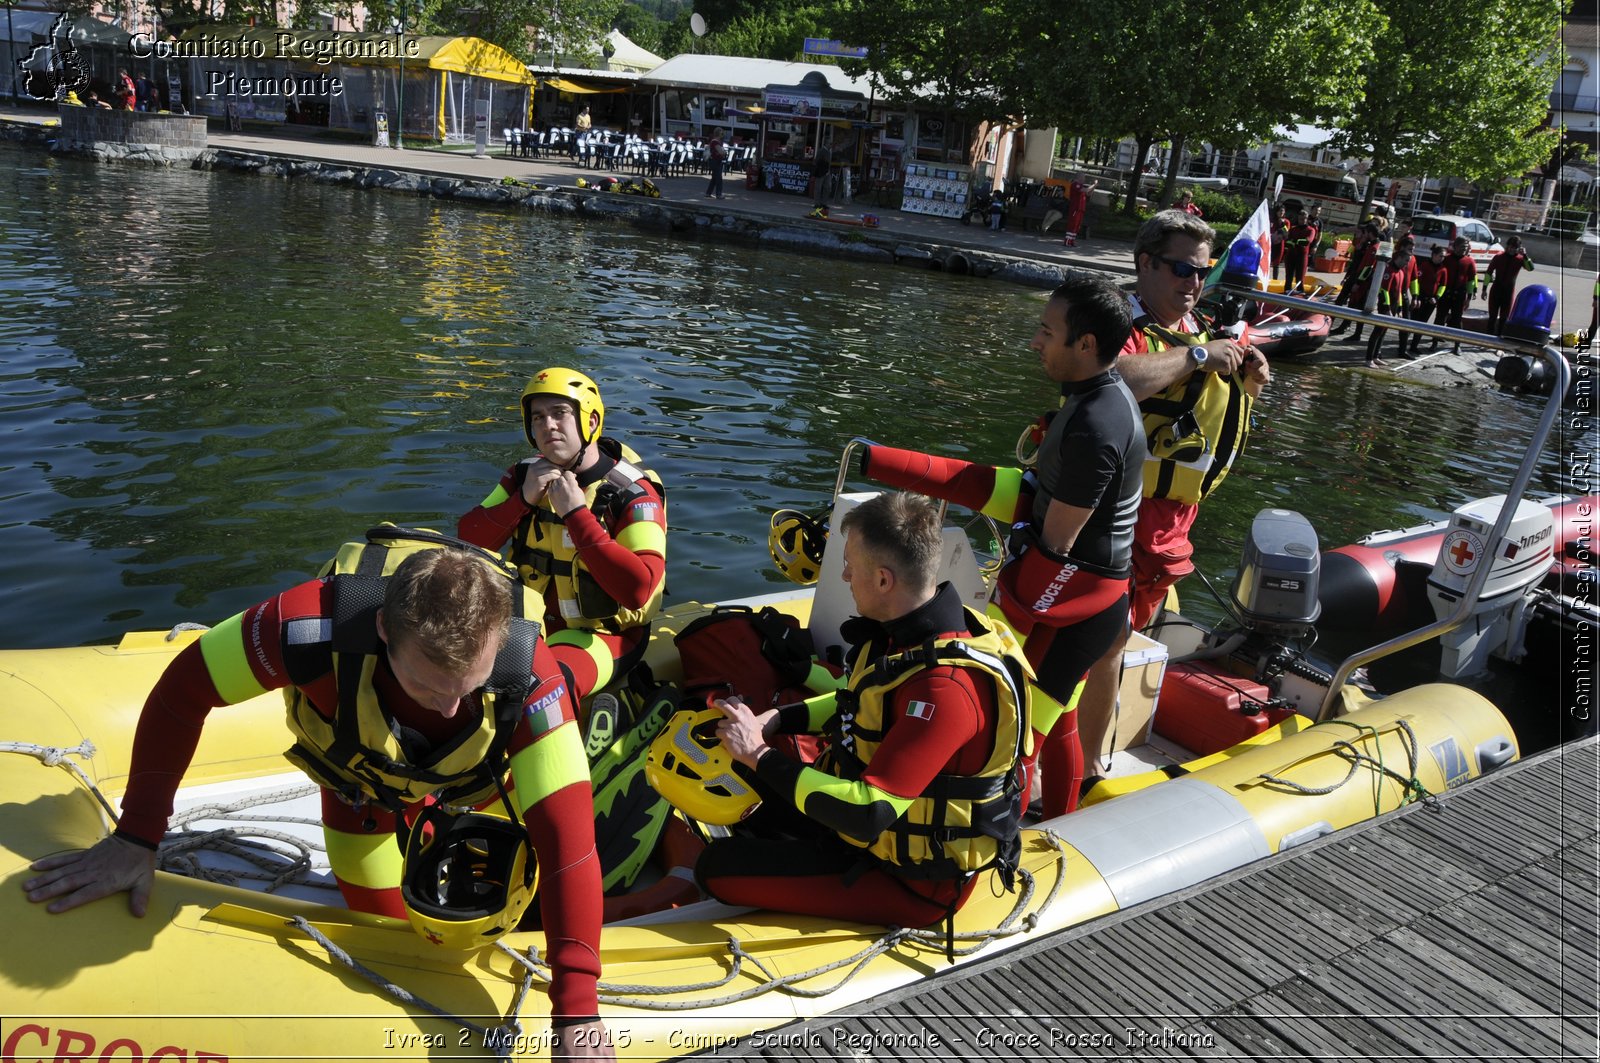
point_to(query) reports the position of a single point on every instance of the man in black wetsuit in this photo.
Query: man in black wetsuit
(1065, 589)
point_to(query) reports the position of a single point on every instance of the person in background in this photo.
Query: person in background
(1457, 280)
(1187, 204)
(920, 787)
(1425, 296)
(1298, 243)
(422, 662)
(1278, 229)
(587, 528)
(717, 157)
(1078, 208)
(821, 165)
(1392, 300)
(1502, 275)
(124, 92)
(1358, 275)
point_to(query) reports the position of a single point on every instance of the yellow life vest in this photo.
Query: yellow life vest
(542, 548)
(1195, 428)
(962, 823)
(361, 752)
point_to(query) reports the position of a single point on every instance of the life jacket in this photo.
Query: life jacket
(542, 549)
(362, 752)
(961, 824)
(1195, 428)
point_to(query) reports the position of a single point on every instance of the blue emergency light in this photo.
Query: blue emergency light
(1531, 315)
(1243, 268)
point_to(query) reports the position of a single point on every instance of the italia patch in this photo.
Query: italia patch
(646, 511)
(545, 714)
(920, 710)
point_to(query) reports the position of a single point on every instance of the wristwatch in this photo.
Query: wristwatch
(1198, 355)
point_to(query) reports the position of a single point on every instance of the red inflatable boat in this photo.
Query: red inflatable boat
(1381, 581)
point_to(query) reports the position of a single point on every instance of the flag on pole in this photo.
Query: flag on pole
(1257, 229)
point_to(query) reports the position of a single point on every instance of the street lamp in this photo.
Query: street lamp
(400, 88)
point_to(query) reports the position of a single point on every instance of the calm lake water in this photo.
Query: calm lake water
(208, 381)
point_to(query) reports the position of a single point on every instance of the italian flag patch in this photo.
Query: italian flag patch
(921, 710)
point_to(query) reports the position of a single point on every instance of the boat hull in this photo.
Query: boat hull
(220, 972)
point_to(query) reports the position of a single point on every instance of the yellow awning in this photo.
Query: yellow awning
(573, 86)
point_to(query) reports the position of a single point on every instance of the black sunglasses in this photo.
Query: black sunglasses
(1180, 269)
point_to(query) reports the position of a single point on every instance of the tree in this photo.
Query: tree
(953, 53)
(1230, 72)
(1465, 95)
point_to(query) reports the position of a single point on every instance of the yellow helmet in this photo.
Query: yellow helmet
(688, 766)
(796, 543)
(571, 385)
(467, 877)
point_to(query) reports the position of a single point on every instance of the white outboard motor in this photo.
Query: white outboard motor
(1518, 562)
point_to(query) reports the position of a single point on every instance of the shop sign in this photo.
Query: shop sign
(790, 177)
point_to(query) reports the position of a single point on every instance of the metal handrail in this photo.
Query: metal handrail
(1519, 480)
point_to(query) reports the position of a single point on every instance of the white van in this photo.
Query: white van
(1318, 184)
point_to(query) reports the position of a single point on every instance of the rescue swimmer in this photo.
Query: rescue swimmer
(921, 786)
(586, 523)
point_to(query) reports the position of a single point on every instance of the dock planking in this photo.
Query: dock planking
(1463, 927)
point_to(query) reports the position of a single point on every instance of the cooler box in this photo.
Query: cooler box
(1206, 710)
(1143, 662)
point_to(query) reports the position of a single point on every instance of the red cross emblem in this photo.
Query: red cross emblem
(1462, 552)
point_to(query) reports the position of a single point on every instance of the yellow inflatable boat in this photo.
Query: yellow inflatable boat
(219, 971)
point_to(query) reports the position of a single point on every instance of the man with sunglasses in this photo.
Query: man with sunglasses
(1195, 391)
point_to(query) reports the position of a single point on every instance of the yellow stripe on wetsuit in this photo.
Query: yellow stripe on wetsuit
(228, 663)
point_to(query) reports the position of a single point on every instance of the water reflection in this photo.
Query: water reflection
(208, 380)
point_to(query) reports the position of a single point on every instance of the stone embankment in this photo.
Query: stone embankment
(692, 219)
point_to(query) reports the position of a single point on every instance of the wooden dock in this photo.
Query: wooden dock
(1462, 929)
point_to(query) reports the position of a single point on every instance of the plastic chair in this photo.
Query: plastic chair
(511, 144)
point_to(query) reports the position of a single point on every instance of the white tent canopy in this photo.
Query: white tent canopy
(625, 55)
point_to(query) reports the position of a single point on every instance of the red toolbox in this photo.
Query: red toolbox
(1206, 710)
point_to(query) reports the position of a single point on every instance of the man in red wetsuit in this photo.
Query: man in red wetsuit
(587, 527)
(1502, 275)
(920, 788)
(1425, 295)
(422, 664)
(1457, 281)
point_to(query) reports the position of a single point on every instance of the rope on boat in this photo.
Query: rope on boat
(506, 1033)
(1411, 786)
(55, 757)
(638, 995)
(179, 851)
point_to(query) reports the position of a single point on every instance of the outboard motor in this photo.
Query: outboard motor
(1275, 592)
(1517, 564)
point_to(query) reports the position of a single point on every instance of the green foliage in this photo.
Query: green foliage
(1460, 95)
(1222, 207)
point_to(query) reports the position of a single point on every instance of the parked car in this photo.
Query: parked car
(1441, 230)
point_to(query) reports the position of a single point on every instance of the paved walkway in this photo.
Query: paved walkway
(1574, 288)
